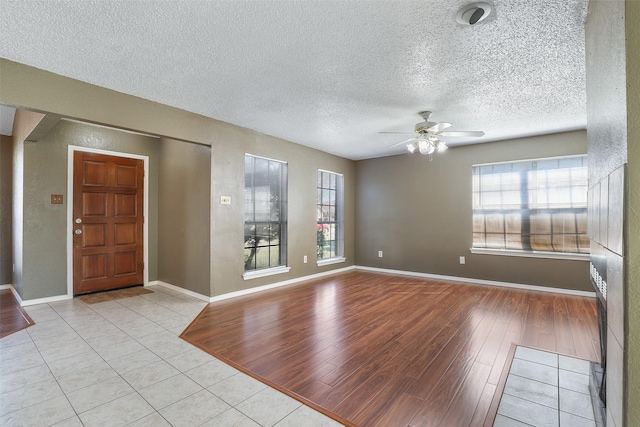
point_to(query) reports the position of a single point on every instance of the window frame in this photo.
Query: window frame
(525, 206)
(282, 222)
(338, 223)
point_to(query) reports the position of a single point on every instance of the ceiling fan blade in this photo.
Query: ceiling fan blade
(463, 133)
(398, 133)
(404, 142)
(438, 127)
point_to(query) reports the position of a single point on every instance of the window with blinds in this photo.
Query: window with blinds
(265, 213)
(534, 205)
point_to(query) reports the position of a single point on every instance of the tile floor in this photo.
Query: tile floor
(546, 389)
(121, 362)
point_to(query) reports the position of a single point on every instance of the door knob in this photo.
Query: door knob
(78, 220)
(78, 231)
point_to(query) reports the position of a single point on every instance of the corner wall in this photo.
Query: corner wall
(632, 227)
(419, 213)
(6, 184)
(23, 124)
(184, 211)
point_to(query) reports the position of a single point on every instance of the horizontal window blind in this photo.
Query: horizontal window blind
(533, 205)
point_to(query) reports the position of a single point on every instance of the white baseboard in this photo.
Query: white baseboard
(179, 289)
(278, 284)
(318, 275)
(481, 281)
(44, 300)
(24, 303)
(247, 291)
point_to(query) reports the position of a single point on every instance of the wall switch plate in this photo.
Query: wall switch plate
(379, 254)
(56, 199)
(462, 260)
(305, 259)
(225, 200)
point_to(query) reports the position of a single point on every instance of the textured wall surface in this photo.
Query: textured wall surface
(606, 88)
(184, 214)
(419, 213)
(227, 221)
(6, 191)
(632, 232)
(613, 114)
(45, 224)
(24, 123)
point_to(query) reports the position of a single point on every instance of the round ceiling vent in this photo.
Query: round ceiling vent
(473, 13)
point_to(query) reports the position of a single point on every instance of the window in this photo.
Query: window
(330, 217)
(531, 206)
(265, 213)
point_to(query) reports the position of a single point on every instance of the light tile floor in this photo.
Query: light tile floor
(546, 389)
(122, 363)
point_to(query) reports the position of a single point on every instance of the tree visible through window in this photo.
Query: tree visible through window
(535, 205)
(329, 232)
(265, 213)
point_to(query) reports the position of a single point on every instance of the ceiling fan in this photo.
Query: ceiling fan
(426, 141)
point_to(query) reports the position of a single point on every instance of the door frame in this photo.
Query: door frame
(71, 150)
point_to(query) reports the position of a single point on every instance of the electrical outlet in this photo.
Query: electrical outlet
(225, 200)
(379, 254)
(304, 259)
(56, 199)
(462, 260)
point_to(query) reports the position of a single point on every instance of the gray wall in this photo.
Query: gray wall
(184, 212)
(419, 213)
(632, 213)
(6, 183)
(23, 123)
(44, 272)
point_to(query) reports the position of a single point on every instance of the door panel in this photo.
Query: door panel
(108, 227)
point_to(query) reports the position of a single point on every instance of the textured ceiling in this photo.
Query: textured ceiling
(327, 74)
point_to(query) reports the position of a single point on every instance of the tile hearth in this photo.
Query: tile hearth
(546, 389)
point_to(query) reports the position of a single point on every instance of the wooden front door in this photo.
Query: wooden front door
(107, 222)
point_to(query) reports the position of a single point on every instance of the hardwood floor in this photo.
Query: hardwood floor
(12, 317)
(374, 349)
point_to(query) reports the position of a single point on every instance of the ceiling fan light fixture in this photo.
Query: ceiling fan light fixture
(473, 13)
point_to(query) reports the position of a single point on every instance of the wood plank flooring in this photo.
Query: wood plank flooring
(12, 317)
(375, 349)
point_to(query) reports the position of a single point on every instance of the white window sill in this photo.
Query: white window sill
(533, 254)
(254, 274)
(329, 261)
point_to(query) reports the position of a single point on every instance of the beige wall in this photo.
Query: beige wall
(35, 89)
(44, 271)
(6, 182)
(184, 212)
(419, 214)
(227, 222)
